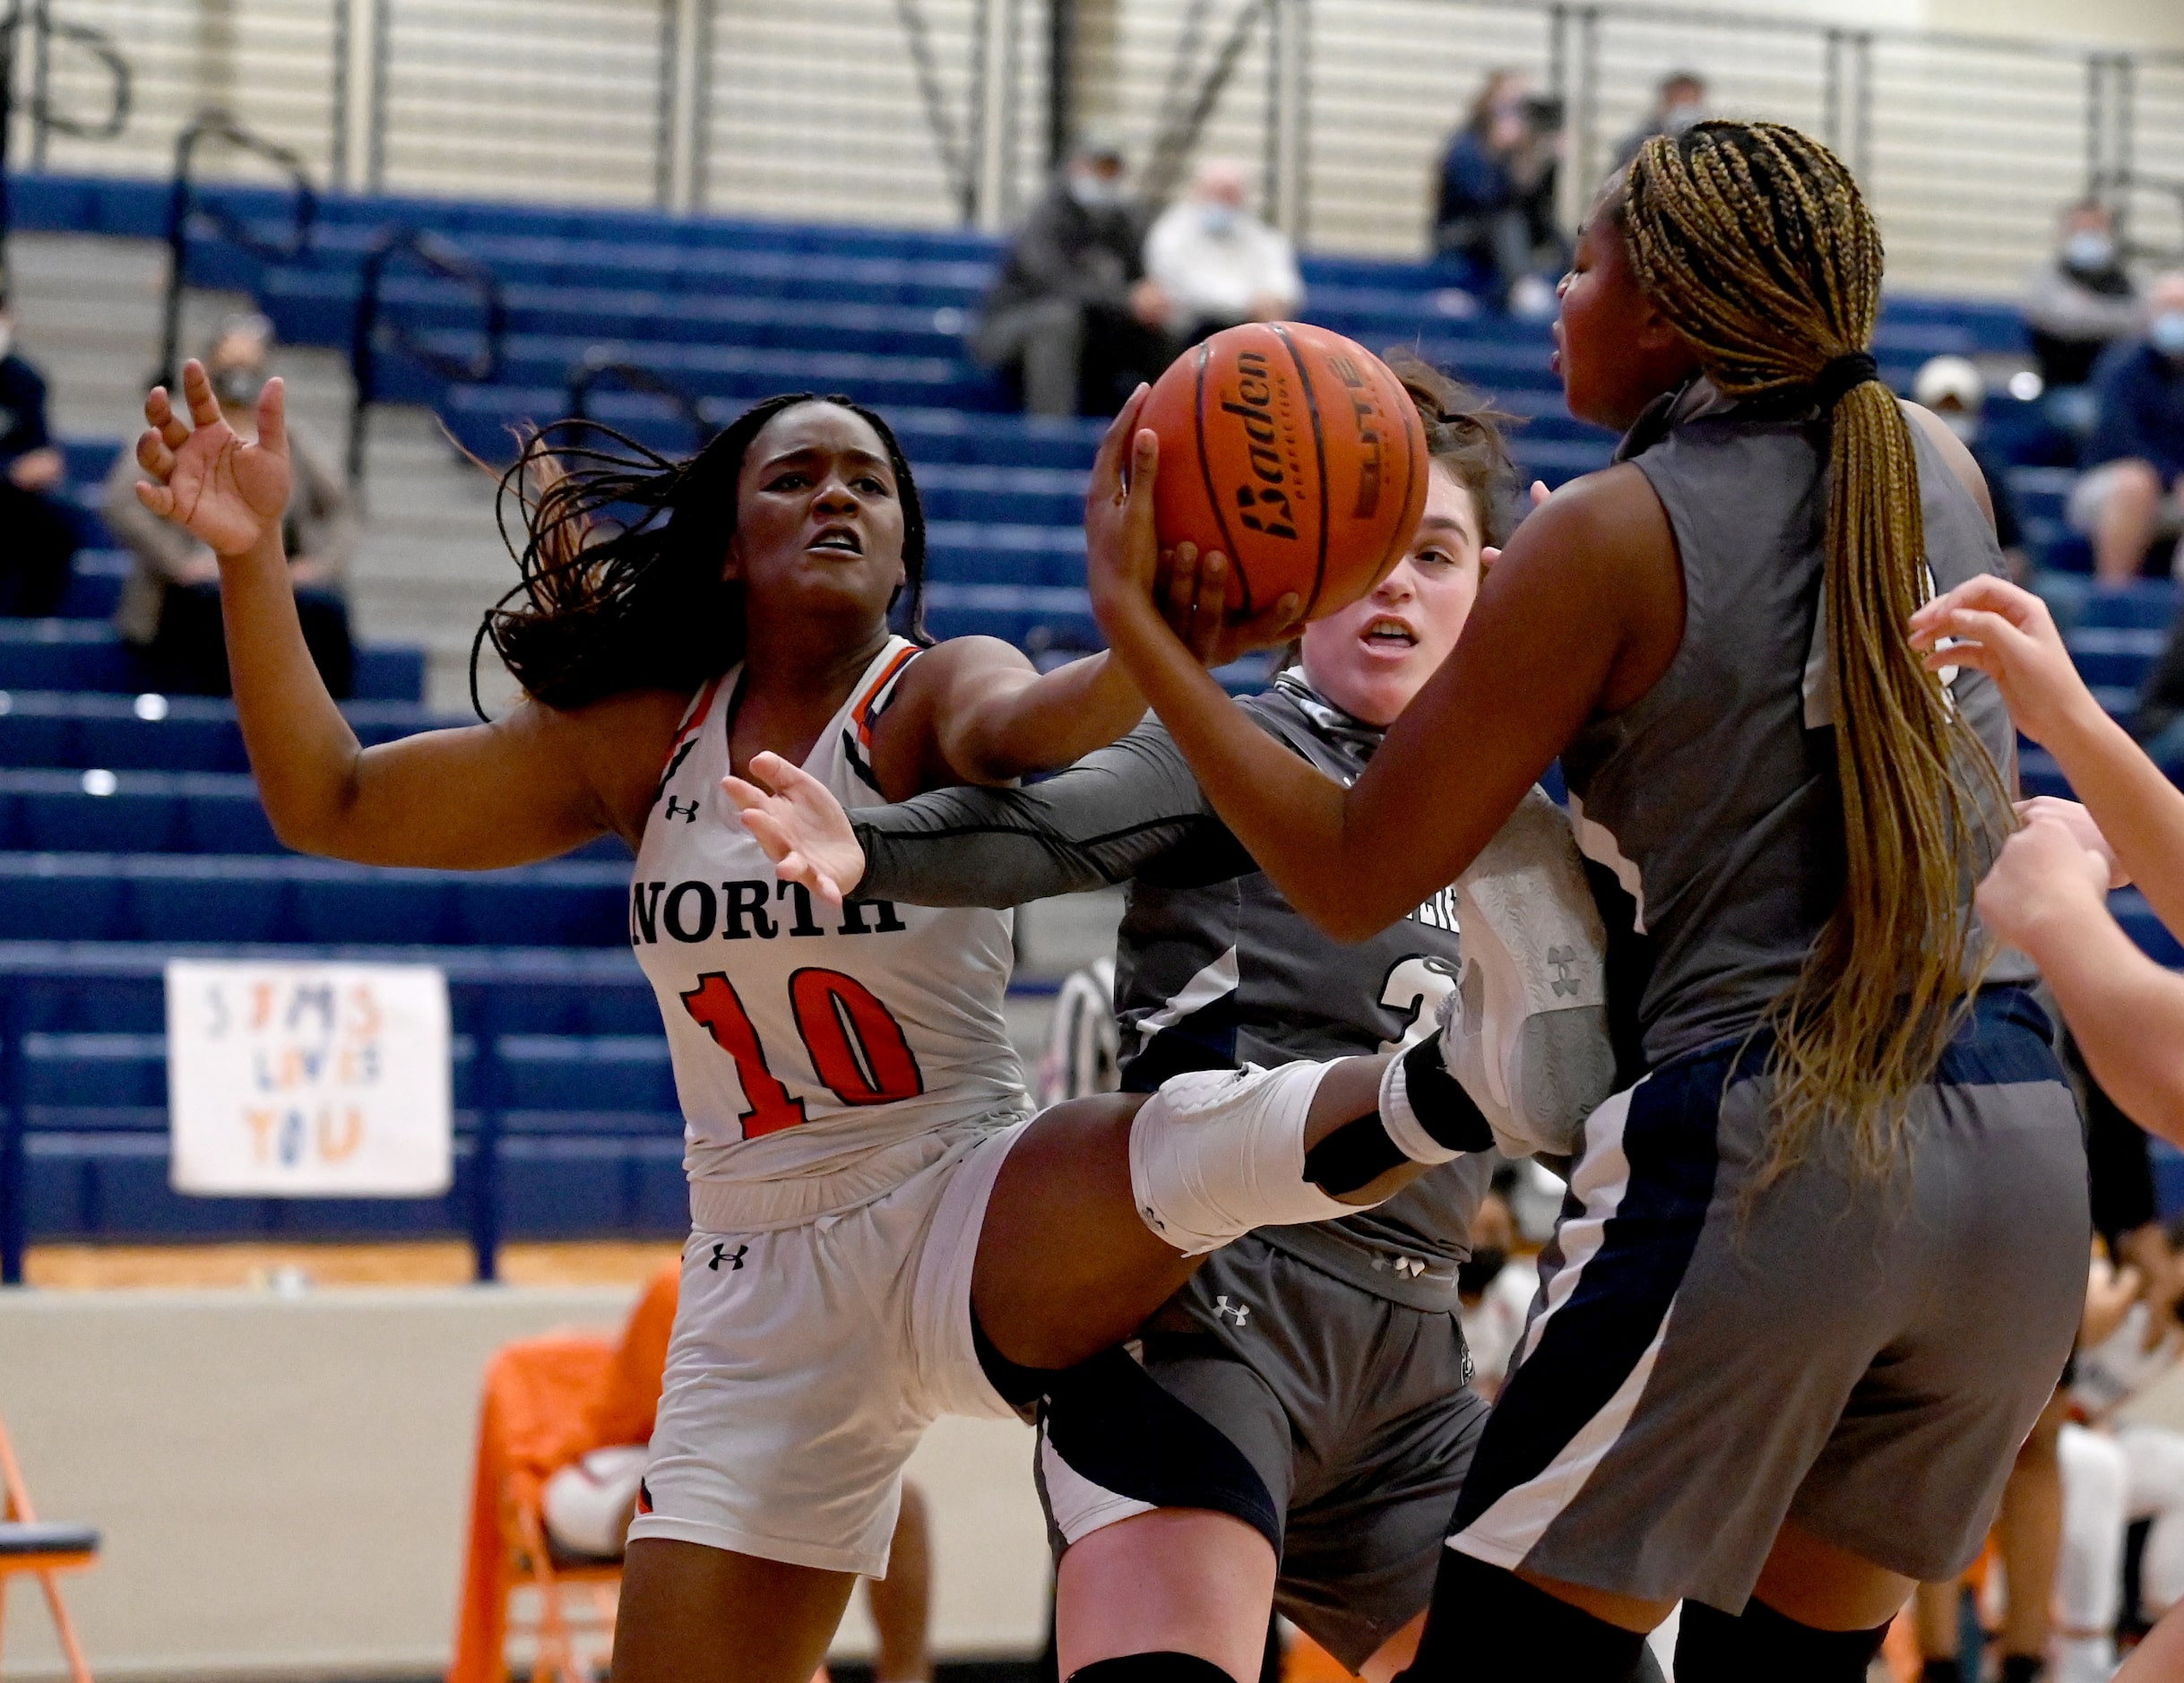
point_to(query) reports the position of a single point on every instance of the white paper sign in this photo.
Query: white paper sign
(308, 1080)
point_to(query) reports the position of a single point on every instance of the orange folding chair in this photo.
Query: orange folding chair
(537, 1393)
(43, 1550)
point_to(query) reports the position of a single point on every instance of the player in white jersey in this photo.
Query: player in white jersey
(880, 1233)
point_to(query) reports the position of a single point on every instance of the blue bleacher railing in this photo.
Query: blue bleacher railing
(600, 365)
(190, 208)
(46, 119)
(375, 331)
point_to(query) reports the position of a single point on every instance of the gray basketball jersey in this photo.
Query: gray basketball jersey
(1712, 799)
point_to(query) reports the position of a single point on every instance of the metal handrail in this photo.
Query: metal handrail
(600, 363)
(185, 204)
(44, 118)
(442, 257)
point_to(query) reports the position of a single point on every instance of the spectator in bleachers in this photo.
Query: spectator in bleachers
(1679, 101)
(1496, 207)
(1954, 388)
(41, 537)
(1073, 313)
(1215, 263)
(2133, 491)
(2081, 300)
(171, 607)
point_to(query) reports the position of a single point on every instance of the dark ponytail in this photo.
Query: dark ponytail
(621, 556)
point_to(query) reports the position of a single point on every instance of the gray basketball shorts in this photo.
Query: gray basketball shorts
(1338, 1423)
(1862, 1355)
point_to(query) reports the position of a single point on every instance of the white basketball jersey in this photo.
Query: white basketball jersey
(803, 1037)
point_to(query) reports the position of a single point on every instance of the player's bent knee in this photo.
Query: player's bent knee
(1716, 1647)
(1167, 1666)
(1217, 1152)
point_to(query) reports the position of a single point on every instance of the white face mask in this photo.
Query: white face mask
(2167, 333)
(1217, 218)
(2089, 251)
(1094, 193)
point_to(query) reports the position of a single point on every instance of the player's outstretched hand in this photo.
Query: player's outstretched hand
(228, 493)
(1539, 493)
(801, 827)
(2045, 881)
(2005, 631)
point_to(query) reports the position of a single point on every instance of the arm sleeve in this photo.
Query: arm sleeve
(1099, 822)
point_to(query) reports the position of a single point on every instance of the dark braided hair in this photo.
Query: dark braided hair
(1752, 240)
(622, 553)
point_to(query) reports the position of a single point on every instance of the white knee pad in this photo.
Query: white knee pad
(1219, 1151)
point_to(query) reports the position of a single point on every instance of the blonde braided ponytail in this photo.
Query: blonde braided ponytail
(1752, 240)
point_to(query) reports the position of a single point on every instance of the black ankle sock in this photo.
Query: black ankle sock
(1714, 1647)
(1438, 1099)
(1359, 1153)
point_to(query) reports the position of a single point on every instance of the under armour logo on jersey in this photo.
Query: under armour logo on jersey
(720, 1255)
(1239, 1312)
(688, 813)
(1409, 1267)
(1563, 958)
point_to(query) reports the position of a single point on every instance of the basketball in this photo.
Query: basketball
(1295, 453)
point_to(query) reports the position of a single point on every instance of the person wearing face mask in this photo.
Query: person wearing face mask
(1496, 206)
(169, 609)
(2081, 300)
(1679, 101)
(1072, 313)
(2132, 493)
(42, 536)
(1953, 389)
(1217, 263)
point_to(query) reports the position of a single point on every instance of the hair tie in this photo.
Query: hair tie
(1834, 382)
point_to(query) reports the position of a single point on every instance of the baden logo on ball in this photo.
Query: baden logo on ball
(1295, 453)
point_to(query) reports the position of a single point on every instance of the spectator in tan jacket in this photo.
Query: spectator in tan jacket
(170, 606)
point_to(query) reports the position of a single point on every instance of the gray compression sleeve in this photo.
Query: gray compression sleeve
(1100, 822)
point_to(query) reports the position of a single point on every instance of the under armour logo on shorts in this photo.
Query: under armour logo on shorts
(1561, 957)
(688, 813)
(1240, 1311)
(720, 1255)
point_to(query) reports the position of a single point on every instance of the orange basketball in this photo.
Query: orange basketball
(1296, 453)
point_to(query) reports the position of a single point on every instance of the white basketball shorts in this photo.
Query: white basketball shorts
(807, 1360)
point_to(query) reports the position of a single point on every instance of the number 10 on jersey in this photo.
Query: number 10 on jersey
(857, 1047)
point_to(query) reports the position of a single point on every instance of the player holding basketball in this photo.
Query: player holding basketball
(1298, 1419)
(1822, 1265)
(879, 1233)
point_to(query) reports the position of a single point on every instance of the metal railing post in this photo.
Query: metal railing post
(337, 142)
(485, 1168)
(700, 146)
(14, 1197)
(375, 97)
(41, 79)
(663, 122)
(1061, 79)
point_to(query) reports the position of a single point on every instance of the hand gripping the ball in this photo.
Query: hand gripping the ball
(227, 493)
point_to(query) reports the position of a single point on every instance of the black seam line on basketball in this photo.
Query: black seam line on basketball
(1414, 430)
(1205, 475)
(1319, 447)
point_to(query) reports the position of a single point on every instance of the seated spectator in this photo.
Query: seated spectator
(1679, 101)
(1216, 263)
(170, 606)
(2080, 301)
(1072, 313)
(1953, 389)
(1496, 207)
(1495, 1286)
(2133, 491)
(42, 536)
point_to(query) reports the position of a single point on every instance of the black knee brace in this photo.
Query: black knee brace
(1167, 1666)
(1714, 1647)
(1489, 1626)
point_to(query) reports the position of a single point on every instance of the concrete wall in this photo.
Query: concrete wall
(281, 1482)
